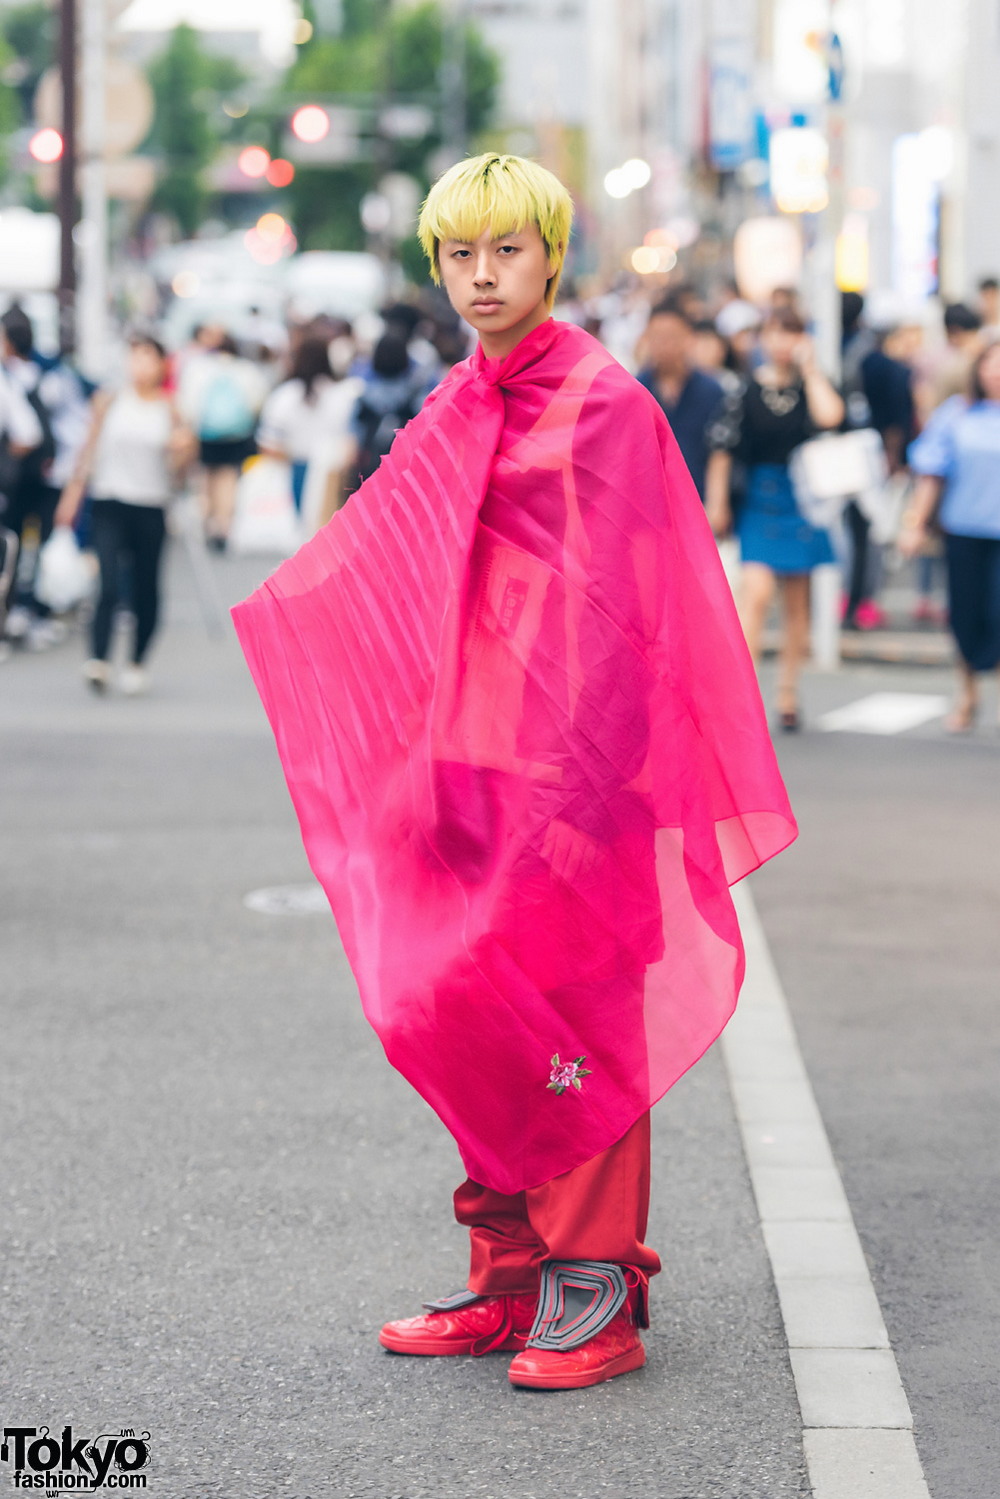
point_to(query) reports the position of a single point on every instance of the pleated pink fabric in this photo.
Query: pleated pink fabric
(528, 754)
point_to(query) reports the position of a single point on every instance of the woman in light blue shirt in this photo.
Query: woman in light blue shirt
(958, 460)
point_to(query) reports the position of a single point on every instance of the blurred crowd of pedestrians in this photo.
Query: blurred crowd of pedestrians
(746, 397)
(314, 408)
(319, 405)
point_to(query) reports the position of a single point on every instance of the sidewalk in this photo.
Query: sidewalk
(901, 642)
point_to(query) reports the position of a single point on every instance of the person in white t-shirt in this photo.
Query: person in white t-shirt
(132, 455)
(307, 418)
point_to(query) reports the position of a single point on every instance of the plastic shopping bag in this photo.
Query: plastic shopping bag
(265, 520)
(63, 578)
(828, 471)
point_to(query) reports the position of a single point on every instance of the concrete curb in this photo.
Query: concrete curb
(857, 1426)
(886, 647)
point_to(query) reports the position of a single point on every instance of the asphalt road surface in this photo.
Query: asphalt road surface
(215, 1188)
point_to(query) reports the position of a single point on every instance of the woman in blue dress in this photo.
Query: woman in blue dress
(957, 457)
(784, 403)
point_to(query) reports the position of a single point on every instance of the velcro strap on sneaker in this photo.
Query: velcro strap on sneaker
(577, 1300)
(452, 1303)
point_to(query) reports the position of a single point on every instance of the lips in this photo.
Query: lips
(487, 304)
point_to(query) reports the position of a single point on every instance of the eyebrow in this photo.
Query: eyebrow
(511, 233)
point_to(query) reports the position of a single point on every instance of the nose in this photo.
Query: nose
(485, 273)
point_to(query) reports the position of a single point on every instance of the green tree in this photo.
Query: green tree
(373, 61)
(31, 33)
(359, 16)
(10, 109)
(181, 134)
(188, 86)
(27, 48)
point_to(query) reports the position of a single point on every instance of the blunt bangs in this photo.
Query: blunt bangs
(503, 194)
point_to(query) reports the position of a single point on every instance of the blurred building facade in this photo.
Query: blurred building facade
(906, 93)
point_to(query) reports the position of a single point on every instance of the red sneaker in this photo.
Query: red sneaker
(615, 1350)
(869, 616)
(464, 1324)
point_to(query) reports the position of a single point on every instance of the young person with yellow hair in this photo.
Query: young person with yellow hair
(525, 743)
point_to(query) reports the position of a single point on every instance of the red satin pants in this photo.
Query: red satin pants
(597, 1211)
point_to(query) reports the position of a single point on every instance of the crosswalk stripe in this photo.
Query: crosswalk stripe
(884, 713)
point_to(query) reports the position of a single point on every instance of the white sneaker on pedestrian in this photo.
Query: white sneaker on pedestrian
(45, 633)
(134, 681)
(97, 674)
(18, 623)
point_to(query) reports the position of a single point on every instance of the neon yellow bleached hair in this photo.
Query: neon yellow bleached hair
(502, 194)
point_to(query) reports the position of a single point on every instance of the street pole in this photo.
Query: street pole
(826, 581)
(93, 301)
(67, 178)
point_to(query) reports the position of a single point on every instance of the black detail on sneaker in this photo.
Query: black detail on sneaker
(577, 1300)
(452, 1303)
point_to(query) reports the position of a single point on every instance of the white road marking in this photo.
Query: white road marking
(884, 713)
(288, 900)
(857, 1426)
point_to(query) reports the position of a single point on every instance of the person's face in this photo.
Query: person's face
(743, 344)
(668, 343)
(708, 351)
(989, 373)
(779, 345)
(210, 336)
(146, 368)
(693, 305)
(496, 284)
(905, 344)
(989, 299)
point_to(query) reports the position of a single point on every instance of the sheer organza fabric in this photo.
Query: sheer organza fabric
(521, 621)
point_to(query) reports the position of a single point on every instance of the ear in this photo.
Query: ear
(553, 263)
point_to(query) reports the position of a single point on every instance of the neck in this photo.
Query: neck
(498, 345)
(673, 375)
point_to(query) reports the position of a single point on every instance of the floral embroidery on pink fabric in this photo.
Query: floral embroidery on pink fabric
(567, 1074)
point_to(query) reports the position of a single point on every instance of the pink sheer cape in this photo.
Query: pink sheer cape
(521, 621)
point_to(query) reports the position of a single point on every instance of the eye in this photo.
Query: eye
(512, 248)
(459, 254)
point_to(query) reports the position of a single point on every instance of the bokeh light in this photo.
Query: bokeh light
(186, 284)
(270, 239)
(280, 172)
(310, 124)
(46, 145)
(253, 161)
(651, 260)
